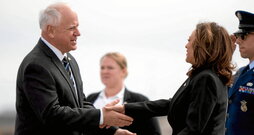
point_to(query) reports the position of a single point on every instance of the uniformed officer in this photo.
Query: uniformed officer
(240, 118)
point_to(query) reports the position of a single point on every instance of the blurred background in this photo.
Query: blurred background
(152, 34)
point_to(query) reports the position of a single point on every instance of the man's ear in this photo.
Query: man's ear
(51, 31)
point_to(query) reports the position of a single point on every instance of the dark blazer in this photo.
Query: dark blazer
(45, 99)
(198, 107)
(240, 118)
(140, 126)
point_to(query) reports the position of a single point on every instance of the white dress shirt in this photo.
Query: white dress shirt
(102, 100)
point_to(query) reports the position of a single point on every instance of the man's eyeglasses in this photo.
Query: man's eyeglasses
(243, 36)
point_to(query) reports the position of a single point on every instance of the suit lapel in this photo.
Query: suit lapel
(179, 91)
(76, 78)
(127, 96)
(59, 66)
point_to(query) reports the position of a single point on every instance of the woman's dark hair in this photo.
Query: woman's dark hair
(213, 49)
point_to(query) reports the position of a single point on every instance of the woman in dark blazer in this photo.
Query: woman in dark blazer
(199, 106)
(113, 73)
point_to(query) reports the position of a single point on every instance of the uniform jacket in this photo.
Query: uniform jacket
(139, 126)
(45, 99)
(198, 107)
(240, 118)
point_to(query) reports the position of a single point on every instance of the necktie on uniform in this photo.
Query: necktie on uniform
(246, 69)
(67, 67)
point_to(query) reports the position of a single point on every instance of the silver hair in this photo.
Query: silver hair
(49, 16)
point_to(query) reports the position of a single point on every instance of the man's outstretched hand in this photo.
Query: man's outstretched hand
(114, 116)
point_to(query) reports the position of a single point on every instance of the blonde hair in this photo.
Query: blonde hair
(119, 59)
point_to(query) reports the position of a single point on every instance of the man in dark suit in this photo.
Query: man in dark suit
(240, 118)
(49, 94)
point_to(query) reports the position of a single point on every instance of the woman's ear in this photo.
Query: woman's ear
(125, 71)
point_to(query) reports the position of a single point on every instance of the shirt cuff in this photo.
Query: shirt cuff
(101, 117)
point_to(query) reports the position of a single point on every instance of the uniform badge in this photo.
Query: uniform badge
(249, 84)
(244, 106)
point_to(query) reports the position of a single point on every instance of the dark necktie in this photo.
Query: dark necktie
(246, 69)
(68, 69)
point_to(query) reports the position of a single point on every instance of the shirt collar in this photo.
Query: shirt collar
(118, 95)
(57, 52)
(251, 65)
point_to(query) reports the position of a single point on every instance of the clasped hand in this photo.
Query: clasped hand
(114, 116)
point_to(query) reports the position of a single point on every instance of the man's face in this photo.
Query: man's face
(246, 45)
(66, 33)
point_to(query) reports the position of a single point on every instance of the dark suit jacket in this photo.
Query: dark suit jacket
(140, 126)
(240, 118)
(198, 107)
(45, 99)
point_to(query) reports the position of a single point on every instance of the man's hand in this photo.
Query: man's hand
(123, 132)
(117, 108)
(113, 103)
(113, 118)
